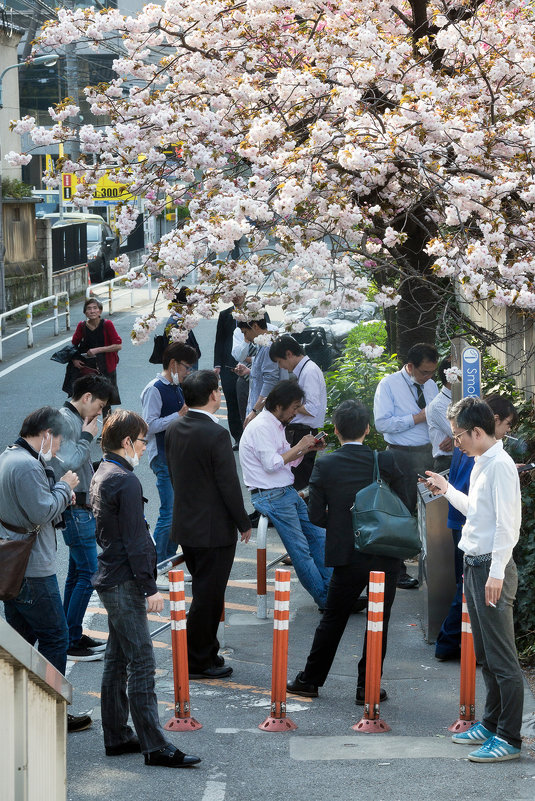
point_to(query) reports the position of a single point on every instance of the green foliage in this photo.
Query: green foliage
(12, 187)
(356, 376)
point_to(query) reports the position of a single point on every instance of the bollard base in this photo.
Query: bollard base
(366, 726)
(182, 724)
(278, 724)
(461, 725)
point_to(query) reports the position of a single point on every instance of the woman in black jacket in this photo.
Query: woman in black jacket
(126, 584)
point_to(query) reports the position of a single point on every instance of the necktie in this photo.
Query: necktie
(420, 399)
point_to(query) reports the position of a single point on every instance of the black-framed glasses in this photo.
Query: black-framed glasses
(144, 441)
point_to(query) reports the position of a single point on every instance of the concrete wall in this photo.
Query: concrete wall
(10, 94)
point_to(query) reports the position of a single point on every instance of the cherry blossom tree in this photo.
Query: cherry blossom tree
(353, 148)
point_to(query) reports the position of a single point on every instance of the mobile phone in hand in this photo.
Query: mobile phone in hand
(320, 436)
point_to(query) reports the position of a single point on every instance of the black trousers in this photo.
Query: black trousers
(228, 382)
(346, 585)
(295, 432)
(210, 569)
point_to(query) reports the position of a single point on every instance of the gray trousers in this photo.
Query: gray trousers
(129, 661)
(494, 644)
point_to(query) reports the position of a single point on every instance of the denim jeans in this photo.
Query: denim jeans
(37, 614)
(164, 548)
(494, 644)
(128, 677)
(304, 541)
(79, 535)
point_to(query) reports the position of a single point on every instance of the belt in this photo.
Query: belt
(410, 447)
(478, 559)
(301, 427)
(269, 489)
(15, 529)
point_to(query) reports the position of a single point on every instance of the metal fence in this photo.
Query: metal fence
(107, 288)
(30, 324)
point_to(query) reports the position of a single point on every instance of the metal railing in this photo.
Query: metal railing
(30, 324)
(93, 289)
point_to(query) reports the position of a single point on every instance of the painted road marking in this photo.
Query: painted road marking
(56, 346)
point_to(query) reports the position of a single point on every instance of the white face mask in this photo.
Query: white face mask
(132, 460)
(46, 456)
(175, 379)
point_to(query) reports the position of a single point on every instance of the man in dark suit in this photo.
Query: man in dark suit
(208, 509)
(335, 480)
(223, 360)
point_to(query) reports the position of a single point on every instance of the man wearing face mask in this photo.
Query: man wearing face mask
(162, 401)
(30, 498)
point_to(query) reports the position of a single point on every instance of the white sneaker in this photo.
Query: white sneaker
(162, 583)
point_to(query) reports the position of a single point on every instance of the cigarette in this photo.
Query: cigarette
(493, 605)
(507, 436)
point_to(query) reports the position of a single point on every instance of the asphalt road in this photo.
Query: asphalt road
(324, 758)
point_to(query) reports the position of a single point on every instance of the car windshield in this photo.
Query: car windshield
(94, 232)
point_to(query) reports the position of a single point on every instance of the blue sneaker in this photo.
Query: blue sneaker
(494, 750)
(477, 734)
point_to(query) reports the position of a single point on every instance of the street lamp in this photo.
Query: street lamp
(49, 60)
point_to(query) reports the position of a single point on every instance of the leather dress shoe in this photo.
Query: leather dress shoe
(170, 757)
(449, 657)
(406, 582)
(129, 747)
(359, 698)
(303, 688)
(214, 672)
(219, 661)
(360, 604)
(78, 722)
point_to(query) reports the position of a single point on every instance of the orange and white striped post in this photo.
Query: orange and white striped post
(182, 721)
(278, 721)
(467, 694)
(371, 722)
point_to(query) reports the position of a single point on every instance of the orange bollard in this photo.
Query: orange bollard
(371, 722)
(182, 721)
(278, 721)
(467, 694)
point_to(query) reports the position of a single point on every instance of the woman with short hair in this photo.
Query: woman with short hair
(126, 584)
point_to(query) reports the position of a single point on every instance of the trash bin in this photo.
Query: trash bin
(436, 569)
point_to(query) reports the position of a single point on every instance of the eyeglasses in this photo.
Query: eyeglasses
(457, 437)
(189, 367)
(144, 441)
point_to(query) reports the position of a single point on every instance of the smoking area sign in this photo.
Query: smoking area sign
(471, 372)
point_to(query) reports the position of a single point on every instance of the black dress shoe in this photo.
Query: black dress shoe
(214, 672)
(359, 698)
(303, 688)
(78, 722)
(219, 661)
(449, 657)
(129, 747)
(360, 604)
(170, 757)
(406, 582)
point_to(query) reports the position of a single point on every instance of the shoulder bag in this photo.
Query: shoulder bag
(14, 556)
(382, 524)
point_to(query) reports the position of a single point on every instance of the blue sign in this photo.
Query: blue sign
(471, 372)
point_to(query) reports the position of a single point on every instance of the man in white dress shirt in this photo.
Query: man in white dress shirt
(267, 459)
(399, 411)
(493, 510)
(438, 423)
(310, 417)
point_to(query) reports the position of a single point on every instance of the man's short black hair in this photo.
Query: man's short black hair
(351, 419)
(261, 323)
(502, 406)
(198, 387)
(470, 413)
(444, 365)
(422, 352)
(121, 424)
(44, 419)
(180, 353)
(284, 344)
(284, 394)
(99, 387)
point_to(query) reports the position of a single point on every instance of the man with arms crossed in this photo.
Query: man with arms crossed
(493, 515)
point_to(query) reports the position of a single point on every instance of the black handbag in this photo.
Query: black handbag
(65, 355)
(160, 344)
(382, 524)
(14, 556)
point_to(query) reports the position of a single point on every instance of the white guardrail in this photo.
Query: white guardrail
(93, 290)
(33, 729)
(30, 324)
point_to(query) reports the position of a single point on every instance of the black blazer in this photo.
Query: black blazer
(226, 325)
(335, 480)
(208, 503)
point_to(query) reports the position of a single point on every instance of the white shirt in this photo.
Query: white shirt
(493, 508)
(437, 422)
(394, 405)
(262, 446)
(208, 414)
(310, 379)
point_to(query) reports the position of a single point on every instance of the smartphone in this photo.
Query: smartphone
(424, 478)
(319, 436)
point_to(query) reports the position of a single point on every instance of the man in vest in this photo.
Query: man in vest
(163, 401)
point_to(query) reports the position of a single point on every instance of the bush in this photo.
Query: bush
(12, 187)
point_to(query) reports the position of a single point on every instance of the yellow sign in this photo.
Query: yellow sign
(106, 190)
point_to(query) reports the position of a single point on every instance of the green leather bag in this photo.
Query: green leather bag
(382, 524)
